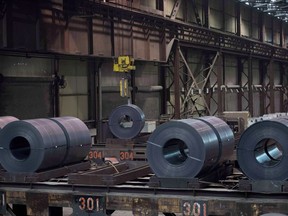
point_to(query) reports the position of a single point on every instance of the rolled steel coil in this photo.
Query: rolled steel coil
(4, 120)
(126, 121)
(31, 145)
(262, 150)
(187, 148)
(78, 138)
(224, 134)
(38, 144)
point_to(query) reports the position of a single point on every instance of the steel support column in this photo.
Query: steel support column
(282, 34)
(283, 106)
(271, 86)
(207, 84)
(262, 96)
(112, 36)
(176, 80)
(238, 18)
(272, 31)
(92, 90)
(133, 86)
(223, 15)
(163, 96)
(240, 70)
(56, 108)
(220, 82)
(195, 9)
(91, 75)
(99, 104)
(175, 9)
(261, 26)
(250, 88)
(206, 13)
(8, 22)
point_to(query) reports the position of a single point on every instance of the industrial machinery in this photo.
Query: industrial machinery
(124, 64)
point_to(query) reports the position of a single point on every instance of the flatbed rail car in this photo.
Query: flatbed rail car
(140, 197)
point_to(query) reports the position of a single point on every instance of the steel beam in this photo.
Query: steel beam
(220, 92)
(250, 88)
(262, 75)
(9, 25)
(282, 91)
(56, 107)
(163, 95)
(282, 35)
(112, 36)
(271, 73)
(176, 80)
(189, 35)
(99, 104)
(197, 16)
(175, 9)
(261, 26)
(238, 19)
(240, 93)
(206, 11)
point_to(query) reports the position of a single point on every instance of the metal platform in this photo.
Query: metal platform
(42, 175)
(99, 189)
(110, 174)
(40, 198)
(130, 192)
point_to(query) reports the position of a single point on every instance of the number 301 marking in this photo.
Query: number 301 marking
(197, 209)
(89, 203)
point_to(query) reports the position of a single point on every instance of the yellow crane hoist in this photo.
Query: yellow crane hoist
(124, 64)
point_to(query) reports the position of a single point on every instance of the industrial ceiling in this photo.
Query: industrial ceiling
(277, 8)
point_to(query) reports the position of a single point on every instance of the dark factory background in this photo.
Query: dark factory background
(57, 58)
(153, 106)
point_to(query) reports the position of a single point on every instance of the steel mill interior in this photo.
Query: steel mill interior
(144, 107)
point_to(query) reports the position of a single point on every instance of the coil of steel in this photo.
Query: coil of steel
(224, 134)
(4, 120)
(126, 121)
(262, 150)
(188, 147)
(38, 144)
(78, 138)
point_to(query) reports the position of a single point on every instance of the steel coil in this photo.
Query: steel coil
(78, 138)
(262, 150)
(31, 145)
(4, 120)
(185, 148)
(224, 134)
(126, 121)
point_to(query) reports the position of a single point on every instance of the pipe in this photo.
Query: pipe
(140, 89)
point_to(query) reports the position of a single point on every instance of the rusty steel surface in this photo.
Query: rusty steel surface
(97, 201)
(110, 175)
(42, 176)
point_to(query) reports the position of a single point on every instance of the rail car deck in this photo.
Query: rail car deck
(138, 195)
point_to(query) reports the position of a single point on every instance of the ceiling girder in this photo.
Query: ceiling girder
(277, 8)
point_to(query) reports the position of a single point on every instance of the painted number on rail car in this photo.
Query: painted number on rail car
(194, 208)
(90, 203)
(126, 155)
(95, 155)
